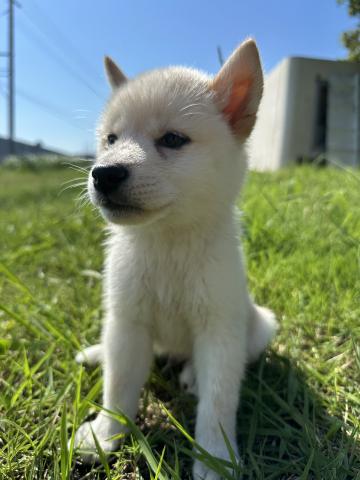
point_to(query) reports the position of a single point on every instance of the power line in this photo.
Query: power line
(44, 46)
(54, 55)
(54, 30)
(50, 108)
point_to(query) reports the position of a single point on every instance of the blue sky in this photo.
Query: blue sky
(60, 45)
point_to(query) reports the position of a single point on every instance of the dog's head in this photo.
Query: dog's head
(171, 141)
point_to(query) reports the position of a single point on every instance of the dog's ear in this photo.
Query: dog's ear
(114, 74)
(238, 88)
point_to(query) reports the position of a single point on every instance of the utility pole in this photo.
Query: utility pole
(11, 78)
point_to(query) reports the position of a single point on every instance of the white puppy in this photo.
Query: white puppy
(171, 161)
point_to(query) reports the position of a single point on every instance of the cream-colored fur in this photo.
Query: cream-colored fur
(174, 273)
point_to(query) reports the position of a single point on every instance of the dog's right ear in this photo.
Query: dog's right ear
(113, 73)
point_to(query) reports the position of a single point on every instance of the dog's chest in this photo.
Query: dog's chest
(175, 288)
(165, 284)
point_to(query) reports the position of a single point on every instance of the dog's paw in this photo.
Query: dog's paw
(103, 428)
(90, 355)
(187, 379)
(262, 328)
(203, 472)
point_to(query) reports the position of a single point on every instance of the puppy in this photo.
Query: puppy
(171, 162)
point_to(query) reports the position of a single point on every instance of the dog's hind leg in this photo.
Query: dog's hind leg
(90, 355)
(261, 329)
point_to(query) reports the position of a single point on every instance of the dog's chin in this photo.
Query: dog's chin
(122, 214)
(125, 214)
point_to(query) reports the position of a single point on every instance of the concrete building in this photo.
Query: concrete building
(310, 110)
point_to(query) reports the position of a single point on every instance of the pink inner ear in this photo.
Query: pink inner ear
(237, 104)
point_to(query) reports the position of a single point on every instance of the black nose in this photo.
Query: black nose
(107, 179)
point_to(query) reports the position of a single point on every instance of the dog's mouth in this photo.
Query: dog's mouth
(124, 211)
(120, 208)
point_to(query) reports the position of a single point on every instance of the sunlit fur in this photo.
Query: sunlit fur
(174, 277)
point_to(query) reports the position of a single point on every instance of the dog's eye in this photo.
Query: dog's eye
(172, 140)
(111, 138)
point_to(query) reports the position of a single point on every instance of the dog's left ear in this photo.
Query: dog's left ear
(238, 88)
(114, 74)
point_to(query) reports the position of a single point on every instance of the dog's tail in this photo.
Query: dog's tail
(261, 329)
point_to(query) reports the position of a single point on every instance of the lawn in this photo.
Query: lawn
(300, 403)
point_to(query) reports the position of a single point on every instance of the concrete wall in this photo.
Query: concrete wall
(287, 116)
(267, 140)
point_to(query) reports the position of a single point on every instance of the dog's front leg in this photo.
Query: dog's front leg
(127, 360)
(219, 356)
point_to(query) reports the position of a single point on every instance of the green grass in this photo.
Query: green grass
(300, 404)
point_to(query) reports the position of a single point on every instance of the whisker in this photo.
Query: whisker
(75, 185)
(73, 166)
(82, 200)
(83, 191)
(192, 105)
(81, 170)
(200, 114)
(74, 180)
(83, 196)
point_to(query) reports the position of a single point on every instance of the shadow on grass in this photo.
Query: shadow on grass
(284, 430)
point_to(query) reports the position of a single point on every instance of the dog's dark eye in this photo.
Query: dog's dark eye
(172, 140)
(111, 138)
